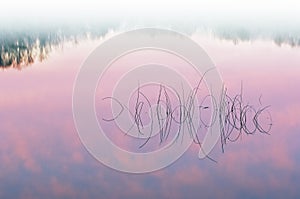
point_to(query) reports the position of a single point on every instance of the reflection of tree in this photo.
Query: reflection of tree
(22, 48)
(237, 35)
(17, 54)
(18, 50)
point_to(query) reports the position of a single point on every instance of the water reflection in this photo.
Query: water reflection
(237, 35)
(40, 147)
(21, 48)
(22, 52)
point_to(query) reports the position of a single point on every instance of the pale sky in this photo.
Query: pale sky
(33, 9)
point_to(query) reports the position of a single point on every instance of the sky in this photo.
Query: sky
(42, 155)
(254, 11)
